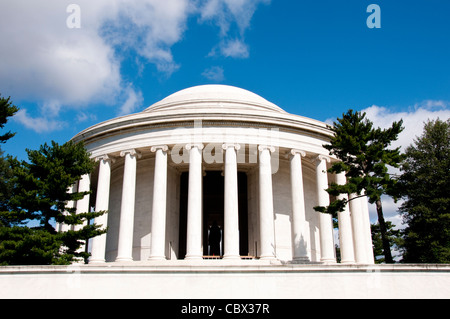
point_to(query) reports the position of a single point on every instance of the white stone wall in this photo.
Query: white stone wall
(282, 207)
(254, 280)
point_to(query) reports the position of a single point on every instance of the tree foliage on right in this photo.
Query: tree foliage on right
(425, 183)
(364, 156)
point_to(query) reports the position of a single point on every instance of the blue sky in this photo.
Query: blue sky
(312, 58)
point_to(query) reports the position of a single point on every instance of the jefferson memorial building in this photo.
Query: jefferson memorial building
(210, 194)
(214, 172)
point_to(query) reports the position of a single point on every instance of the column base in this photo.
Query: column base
(267, 257)
(156, 258)
(193, 257)
(300, 260)
(328, 261)
(96, 261)
(235, 257)
(123, 259)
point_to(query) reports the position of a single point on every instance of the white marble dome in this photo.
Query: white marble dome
(214, 97)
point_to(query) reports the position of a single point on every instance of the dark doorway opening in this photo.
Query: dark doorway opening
(213, 202)
(243, 213)
(184, 182)
(213, 213)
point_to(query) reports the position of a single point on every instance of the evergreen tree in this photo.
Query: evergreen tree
(426, 184)
(40, 193)
(37, 191)
(7, 109)
(364, 157)
(394, 236)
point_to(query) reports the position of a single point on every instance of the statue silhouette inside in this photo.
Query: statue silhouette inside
(215, 235)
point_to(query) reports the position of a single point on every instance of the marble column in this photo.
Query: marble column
(266, 222)
(231, 208)
(157, 251)
(345, 227)
(84, 185)
(62, 227)
(300, 241)
(125, 247)
(325, 221)
(194, 210)
(358, 229)
(101, 204)
(367, 229)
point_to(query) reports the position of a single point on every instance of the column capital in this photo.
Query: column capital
(320, 158)
(104, 157)
(164, 148)
(189, 146)
(236, 146)
(297, 151)
(266, 147)
(132, 152)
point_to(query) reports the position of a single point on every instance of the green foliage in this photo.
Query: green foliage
(36, 191)
(6, 110)
(426, 185)
(40, 194)
(364, 157)
(41, 184)
(27, 246)
(393, 235)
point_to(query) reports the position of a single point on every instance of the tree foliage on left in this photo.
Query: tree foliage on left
(7, 109)
(34, 197)
(39, 190)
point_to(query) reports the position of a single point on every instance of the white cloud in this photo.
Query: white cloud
(134, 100)
(413, 122)
(233, 18)
(432, 105)
(59, 68)
(148, 27)
(413, 118)
(234, 48)
(224, 13)
(83, 117)
(390, 211)
(38, 124)
(44, 60)
(214, 73)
